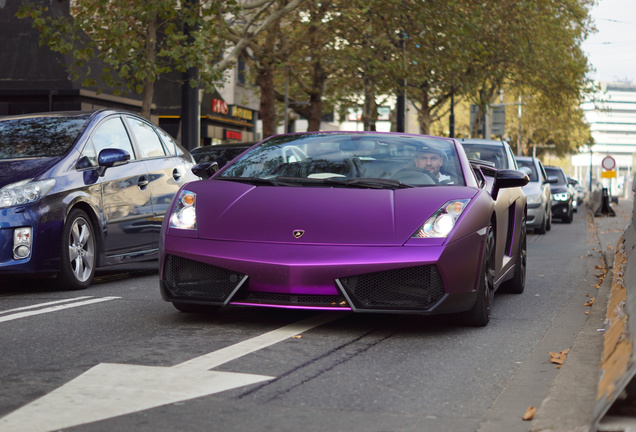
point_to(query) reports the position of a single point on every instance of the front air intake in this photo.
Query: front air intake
(193, 280)
(417, 288)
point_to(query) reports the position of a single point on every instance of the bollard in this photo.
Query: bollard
(604, 209)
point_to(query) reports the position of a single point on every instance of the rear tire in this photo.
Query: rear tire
(479, 315)
(78, 256)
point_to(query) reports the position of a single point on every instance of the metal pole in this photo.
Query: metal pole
(519, 137)
(190, 104)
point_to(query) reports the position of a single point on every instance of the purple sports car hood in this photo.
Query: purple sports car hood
(346, 216)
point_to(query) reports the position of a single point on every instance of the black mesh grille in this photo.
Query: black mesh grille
(188, 279)
(293, 299)
(408, 288)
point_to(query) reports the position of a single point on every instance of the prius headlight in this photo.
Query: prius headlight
(443, 220)
(24, 192)
(184, 215)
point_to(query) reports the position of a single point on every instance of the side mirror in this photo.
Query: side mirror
(205, 170)
(553, 179)
(111, 157)
(506, 178)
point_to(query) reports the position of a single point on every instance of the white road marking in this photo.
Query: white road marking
(110, 390)
(44, 304)
(56, 308)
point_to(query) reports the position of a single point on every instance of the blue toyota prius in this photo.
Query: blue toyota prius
(81, 190)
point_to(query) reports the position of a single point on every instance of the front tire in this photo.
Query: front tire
(479, 315)
(78, 258)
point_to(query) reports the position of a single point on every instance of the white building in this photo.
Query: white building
(612, 120)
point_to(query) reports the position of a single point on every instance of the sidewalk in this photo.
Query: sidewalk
(571, 403)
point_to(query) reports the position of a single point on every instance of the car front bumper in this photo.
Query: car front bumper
(46, 223)
(405, 279)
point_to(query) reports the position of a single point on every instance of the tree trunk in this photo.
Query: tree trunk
(370, 108)
(265, 81)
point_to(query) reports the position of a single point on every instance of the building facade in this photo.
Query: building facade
(612, 119)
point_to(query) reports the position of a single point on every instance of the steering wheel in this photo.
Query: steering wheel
(414, 175)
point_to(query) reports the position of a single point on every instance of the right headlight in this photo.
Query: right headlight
(443, 220)
(24, 192)
(184, 214)
(534, 199)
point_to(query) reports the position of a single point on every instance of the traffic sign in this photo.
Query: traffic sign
(608, 163)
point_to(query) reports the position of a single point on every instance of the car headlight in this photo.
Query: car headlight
(184, 215)
(443, 220)
(562, 196)
(24, 192)
(534, 199)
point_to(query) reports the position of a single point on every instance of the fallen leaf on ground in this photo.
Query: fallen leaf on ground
(559, 357)
(530, 412)
(297, 337)
(590, 302)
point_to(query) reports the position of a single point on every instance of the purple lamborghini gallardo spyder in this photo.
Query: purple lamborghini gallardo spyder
(366, 222)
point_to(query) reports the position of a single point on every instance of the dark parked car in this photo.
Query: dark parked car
(80, 190)
(219, 153)
(538, 193)
(364, 222)
(562, 196)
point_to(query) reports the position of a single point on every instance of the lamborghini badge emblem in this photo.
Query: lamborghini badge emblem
(298, 233)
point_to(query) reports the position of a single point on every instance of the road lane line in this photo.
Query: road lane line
(109, 389)
(232, 352)
(43, 304)
(55, 308)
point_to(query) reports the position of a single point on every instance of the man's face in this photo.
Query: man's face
(431, 162)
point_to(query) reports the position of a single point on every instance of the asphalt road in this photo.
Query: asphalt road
(116, 357)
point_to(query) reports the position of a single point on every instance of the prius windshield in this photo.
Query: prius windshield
(39, 136)
(362, 159)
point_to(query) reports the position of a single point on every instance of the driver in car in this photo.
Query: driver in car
(431, 159)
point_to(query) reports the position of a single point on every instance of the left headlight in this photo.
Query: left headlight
(443, 220)
(184, 214)
(24, 192)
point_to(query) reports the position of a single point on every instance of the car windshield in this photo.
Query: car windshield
(530, 169)
(363, 160)
(487, 152)
(39, 136)
(558, 173)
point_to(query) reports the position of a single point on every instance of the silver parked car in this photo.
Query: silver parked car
(538, 193)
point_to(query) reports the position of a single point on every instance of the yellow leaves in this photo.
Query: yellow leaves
(299, 336)
(529, 415)
(590, 302)
(558, 358)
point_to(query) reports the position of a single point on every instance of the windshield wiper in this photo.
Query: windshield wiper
(256, 181)
(369, 183)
